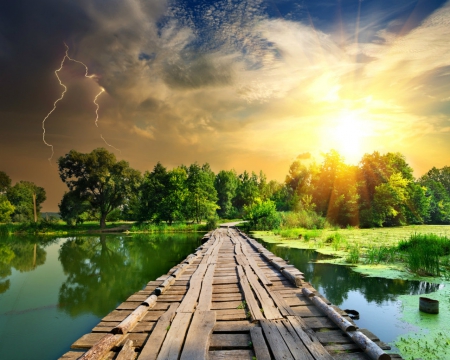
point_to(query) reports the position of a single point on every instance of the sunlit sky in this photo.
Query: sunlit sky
(238, 84)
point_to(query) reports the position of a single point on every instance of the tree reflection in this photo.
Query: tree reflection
(21, 253)
(337, 280)
(104, 270)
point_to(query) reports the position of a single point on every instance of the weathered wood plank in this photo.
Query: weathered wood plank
(154, 342)
(276, 342)
(197, 340)
(233, 326)
(204, 302)
(190, 300)
(231, 354)
(173, 342)
(230, 341)
(269, 309)
(127, 352)
(259, 344)
(309, 338)
(252, 304)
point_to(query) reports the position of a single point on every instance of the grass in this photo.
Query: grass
(165, 228)
(59, 227)
(424, 252)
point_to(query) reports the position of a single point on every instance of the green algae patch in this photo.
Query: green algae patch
(431, 342)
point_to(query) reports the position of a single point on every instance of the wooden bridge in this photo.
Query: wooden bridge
(231, 299)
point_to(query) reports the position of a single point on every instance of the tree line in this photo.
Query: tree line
(380, 191)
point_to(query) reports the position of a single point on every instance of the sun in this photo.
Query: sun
(347, 134)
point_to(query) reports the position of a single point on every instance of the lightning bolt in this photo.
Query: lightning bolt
(96, 118)
(86, 74)
(54, 106)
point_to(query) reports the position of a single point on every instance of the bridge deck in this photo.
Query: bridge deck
(232, 299)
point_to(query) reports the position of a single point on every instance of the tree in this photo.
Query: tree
(247, 191)
(21, 197)
(262, 215)
(226, 183)
(323, 183)
(439, 198)
(5, 182)
(202, 196)
(6, 209)
(152, 191)
(99, 178)
(73, 209)
(171, 206)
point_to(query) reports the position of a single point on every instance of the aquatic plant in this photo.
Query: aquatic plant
(353, 254)
(424, 252)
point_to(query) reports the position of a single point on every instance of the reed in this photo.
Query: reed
(424, 252)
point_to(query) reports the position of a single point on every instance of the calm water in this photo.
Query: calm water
(374, 298)
(53, 290)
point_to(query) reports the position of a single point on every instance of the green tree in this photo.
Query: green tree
(247, 191)
(323, 183)
(175, 194)
(5, 182)
(201, 201)
(21, 197)
(73, 209)
(6, 209)
(226, 183)
(439, 198)
(262, 215)
(99, 178)
(152, 192)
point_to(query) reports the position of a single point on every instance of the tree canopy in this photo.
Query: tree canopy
(99, 178)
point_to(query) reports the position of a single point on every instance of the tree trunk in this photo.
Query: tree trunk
(103, 220)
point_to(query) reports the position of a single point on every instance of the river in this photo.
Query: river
(53, 290)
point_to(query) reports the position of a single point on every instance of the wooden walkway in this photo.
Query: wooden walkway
(231, 299)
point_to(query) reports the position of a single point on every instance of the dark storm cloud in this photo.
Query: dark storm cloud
(181, 76)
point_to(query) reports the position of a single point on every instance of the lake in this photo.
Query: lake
(374, 298)
(53, 290)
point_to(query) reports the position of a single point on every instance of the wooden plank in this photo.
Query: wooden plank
(230, 341)
(309, 338)
(292, 340)
(252, 304)
(204, 302)
(233, 326)
(173, 342)
(259, 344)
(231, 354)
(283, 307)
(276, 342)
(227, 297)
(230, 314)
(197, 341)
(269, 309)
(127, 352)
(117, 315)
(154, 342)
(190, 300)
(226, 305)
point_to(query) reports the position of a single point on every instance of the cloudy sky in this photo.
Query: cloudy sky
(239, 84)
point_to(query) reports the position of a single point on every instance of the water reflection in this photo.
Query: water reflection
(375, 299)
(106, 268)
(53, 290)
(22, 254)
(338, 281)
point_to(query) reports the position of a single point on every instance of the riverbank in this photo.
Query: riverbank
(60, 228)
(430, 341)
